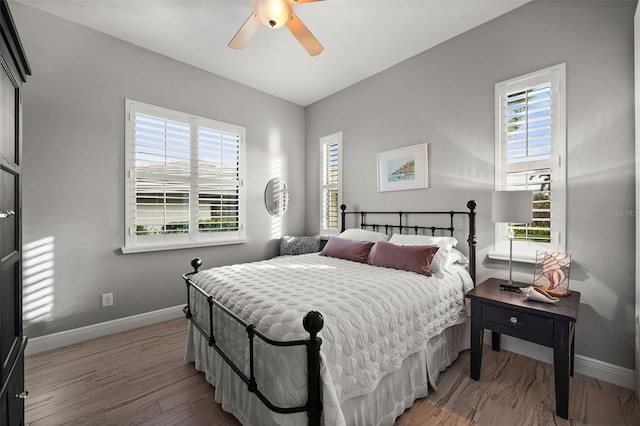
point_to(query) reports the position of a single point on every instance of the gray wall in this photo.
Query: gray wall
(74, 151)
(445, 96)
(73, 170)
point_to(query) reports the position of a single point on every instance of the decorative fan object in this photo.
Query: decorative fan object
(551, 272)
(274, 14)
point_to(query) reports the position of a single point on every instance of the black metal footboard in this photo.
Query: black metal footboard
(312, 322)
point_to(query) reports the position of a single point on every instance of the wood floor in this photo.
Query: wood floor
(139, 377)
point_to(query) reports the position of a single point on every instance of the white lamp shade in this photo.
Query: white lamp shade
(512, 206)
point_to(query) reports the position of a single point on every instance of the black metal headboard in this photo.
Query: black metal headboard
(402, 225)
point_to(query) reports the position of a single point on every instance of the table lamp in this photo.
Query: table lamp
(511, 207)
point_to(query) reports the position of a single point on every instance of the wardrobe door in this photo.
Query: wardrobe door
(10, 221)
(13, 70)
(13, 395)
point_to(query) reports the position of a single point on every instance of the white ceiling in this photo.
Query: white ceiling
(360, 37)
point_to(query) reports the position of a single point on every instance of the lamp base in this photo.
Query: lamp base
(512, 286)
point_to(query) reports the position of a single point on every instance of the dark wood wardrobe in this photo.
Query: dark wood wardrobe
(13, 75)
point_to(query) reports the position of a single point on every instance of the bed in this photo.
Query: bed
(349, 336)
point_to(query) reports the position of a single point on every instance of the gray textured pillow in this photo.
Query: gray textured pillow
(299, 245)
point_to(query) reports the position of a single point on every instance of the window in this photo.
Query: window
(331, 183)
(530, 155)
(184, 180)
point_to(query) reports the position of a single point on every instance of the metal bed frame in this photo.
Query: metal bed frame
(313, 321)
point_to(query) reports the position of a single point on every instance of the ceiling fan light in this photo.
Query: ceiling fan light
(273, 13)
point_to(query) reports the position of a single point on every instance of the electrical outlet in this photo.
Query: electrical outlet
(107, 300)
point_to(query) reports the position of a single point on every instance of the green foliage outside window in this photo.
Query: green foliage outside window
(540, 229)
(216, 224)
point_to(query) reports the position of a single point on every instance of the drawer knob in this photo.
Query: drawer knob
(22, 395)
(514, 320)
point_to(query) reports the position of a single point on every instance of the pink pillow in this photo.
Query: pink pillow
(358, 251)
(408, 258)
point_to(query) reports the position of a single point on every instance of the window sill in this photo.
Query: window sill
(142, 248)
(517, 256)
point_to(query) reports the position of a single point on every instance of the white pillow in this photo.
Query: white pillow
(455, 256)
(445, 245)
(422, 240)
(363, 235)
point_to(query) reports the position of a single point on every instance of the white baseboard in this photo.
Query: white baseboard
(77, 335)
(600, 370)
(623, 377)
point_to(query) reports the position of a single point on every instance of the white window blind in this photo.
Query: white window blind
(528, 121)
(331, 183)
(183, 182)
(530, 150)
(218, 181)
(162, 161)
(528, 145)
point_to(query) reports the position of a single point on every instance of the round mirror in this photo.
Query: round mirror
(276, 197)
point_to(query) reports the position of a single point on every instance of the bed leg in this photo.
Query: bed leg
(313, 323)
(187, 309)
(196, 263)
(472, 239)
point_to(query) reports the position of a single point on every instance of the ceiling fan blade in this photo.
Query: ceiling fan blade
(245, 32)
(304, 36)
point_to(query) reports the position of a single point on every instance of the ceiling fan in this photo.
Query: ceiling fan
(274, 14)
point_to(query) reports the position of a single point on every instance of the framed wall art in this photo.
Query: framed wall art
(404, 168)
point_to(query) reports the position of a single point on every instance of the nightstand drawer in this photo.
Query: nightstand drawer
(518, 320)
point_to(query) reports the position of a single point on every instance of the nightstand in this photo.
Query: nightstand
(507, 312)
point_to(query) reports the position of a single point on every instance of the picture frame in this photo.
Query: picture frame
(551, 272)
(404, 168)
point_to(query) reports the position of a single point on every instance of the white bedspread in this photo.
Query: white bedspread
(374, 318)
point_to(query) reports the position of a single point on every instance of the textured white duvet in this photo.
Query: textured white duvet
(374, 319)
